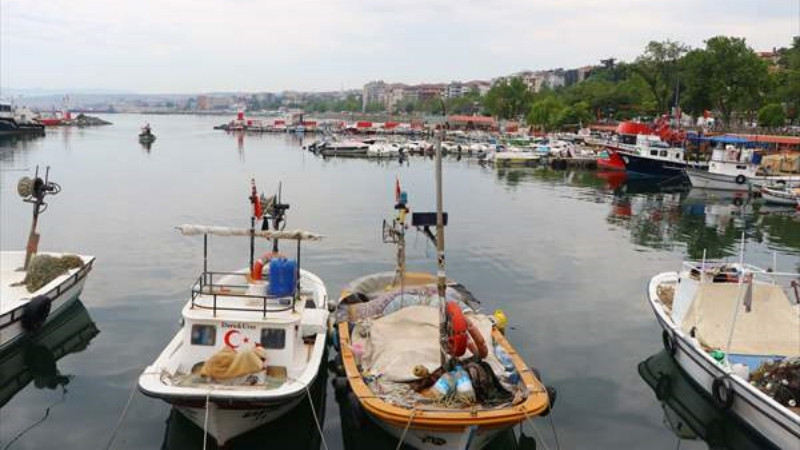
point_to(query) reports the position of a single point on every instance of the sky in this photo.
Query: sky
(193, 46)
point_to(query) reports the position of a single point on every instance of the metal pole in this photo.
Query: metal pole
(252, 241)
(441, 274)
(205, 257)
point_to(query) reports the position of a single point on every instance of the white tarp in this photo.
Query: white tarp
(772, 327)
(192, 230)
(409, 337)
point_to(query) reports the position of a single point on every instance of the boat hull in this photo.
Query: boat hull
(62, 296)
(225, 423)
(652, 167)
(472, 438)
(763, 414)
(779, 197)
(717, 181)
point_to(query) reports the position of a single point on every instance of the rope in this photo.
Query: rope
(535, 430)
(205, 419)
(314, 414)
(553, 427)
(32, 426)
(408, 425)
(121, 417)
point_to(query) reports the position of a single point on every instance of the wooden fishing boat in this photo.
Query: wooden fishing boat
(729, 326)
(36, 286)
(252, 340)
(399, 333)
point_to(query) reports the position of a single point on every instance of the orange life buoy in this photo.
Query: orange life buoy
(477, 344)
(456, 329)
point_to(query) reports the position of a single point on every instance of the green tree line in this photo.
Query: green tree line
(725, 77)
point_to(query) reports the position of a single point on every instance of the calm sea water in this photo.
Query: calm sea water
(566, 255)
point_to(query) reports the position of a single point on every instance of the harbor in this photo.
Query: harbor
(563, 249)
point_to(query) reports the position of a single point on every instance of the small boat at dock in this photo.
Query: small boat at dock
(252, 339)
(733, 329)
(35, 287)
(419, 358)
(781, 196)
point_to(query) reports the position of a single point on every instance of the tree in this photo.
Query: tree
(729, 73)
(509, 99)
(546, 113)
(658, 67)
(575, 115)
(771, 116)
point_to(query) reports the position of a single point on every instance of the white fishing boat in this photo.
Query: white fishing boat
(733, 328)
(785, 196)
(383, 150)
(35, 287)
(347, 147)
(737, 169)
(420, 360)
(252, 340)
(515, 156)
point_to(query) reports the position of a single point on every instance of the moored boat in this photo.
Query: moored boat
(785, 196)
(252, 340)
(733, 329)
(35, 287)
(422, 361)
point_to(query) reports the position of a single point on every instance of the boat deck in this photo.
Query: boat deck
(11, 297)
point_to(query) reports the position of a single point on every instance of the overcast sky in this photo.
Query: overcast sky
(185, 46)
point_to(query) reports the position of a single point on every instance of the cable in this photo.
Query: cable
(314, 414)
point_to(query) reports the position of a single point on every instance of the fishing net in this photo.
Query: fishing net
(45, 268)
(780, 380)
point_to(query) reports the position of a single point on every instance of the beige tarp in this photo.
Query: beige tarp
(772, 327)
(407, 338)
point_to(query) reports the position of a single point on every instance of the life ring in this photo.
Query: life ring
(455, 326)
(722, 391)
(670, 342)
(740, 179)
(476, 344)
(35, 313)
(738, 201)
(257, 272)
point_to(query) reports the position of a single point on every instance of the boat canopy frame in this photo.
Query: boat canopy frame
(204, 285)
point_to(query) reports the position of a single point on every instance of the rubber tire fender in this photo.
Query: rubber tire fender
(740, 179)
(35, 313)
(670, 342)
(722, 392)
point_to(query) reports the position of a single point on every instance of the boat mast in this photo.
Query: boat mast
(441, 274)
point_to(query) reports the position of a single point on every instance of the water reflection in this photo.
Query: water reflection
(297, 430)
(690, 412)
(35, 358)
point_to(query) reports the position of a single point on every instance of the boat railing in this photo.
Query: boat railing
(71, 281)
(736, 269)
(205, 285)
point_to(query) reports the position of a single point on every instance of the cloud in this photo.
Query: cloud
(201, 45)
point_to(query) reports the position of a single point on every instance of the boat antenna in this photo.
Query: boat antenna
(34, 191)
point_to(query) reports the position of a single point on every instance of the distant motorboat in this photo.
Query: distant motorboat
(146, 136)
(18, 121)
(348, 147)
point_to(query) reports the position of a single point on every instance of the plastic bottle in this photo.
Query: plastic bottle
(508, 364)
(442, 388)
(465, 393)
